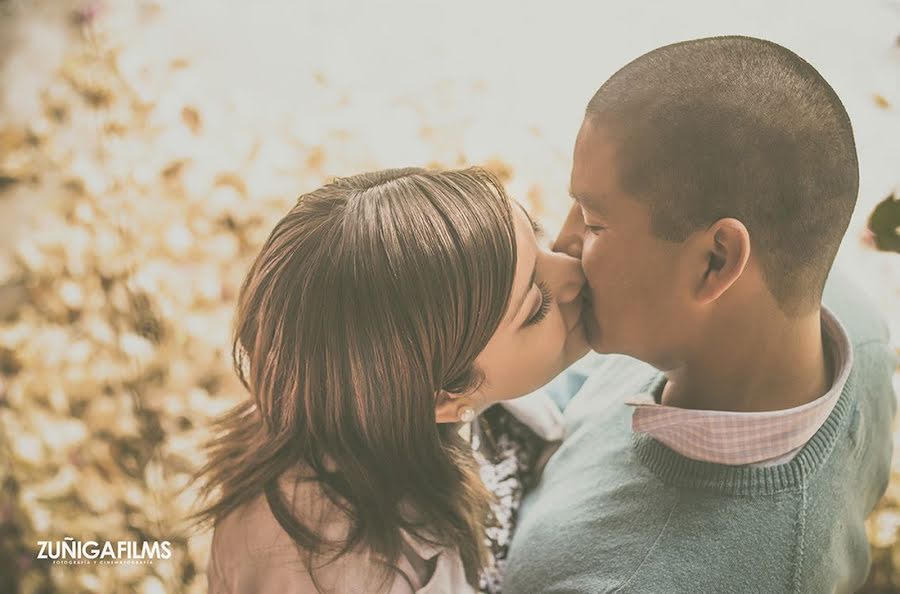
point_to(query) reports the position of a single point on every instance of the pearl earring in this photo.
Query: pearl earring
(467, 414)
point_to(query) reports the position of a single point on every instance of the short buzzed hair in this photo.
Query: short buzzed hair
(737, 127)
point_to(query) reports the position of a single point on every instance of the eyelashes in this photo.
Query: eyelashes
(546, 301)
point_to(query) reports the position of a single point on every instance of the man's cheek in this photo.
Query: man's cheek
(602, 283)
(591, 264)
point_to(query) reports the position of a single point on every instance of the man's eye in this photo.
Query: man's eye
(594, 228)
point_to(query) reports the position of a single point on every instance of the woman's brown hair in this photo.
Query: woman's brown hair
(373, 294)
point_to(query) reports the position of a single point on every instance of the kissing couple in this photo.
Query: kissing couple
(677, 394)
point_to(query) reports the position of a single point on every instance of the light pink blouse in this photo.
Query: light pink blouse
(252, 554)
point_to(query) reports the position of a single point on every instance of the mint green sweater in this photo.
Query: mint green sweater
(620, 512)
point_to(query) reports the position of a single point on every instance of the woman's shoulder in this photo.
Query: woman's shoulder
(252, 530)
(248, 532)
(251, 552)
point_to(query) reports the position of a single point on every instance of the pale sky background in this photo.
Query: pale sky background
(489, 79)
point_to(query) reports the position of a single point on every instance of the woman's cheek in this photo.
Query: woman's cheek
(549, 348)
(530, 366)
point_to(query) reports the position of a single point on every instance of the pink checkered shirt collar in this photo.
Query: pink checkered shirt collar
(763, 438)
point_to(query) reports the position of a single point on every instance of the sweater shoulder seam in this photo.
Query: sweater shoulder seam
(652, 547)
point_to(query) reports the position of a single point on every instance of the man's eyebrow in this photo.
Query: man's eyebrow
(587, 203)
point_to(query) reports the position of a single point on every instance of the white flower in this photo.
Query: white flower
(71, 294)
(138, 349)
(28, 448)
(90, 173)
(178, 239)
(153, 585)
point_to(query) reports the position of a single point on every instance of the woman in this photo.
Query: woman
(384, 309)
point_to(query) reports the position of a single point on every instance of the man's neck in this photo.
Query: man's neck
(762, 363)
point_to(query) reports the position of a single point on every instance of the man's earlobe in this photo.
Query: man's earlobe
(727, 253)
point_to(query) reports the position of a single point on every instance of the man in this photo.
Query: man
(745, 436)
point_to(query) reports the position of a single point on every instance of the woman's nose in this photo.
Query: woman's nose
(565, 276)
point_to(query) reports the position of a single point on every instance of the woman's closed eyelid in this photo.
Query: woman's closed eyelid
(531, 310)
(543, 307)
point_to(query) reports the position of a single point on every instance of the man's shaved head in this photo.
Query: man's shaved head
(744, 128)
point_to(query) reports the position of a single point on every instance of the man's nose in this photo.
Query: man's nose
(567, 277)
(571, 237)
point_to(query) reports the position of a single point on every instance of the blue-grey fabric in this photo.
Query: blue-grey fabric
(621, 512)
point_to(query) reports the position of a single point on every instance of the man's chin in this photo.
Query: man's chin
(594, 336)
(602, 349)
(577, 348)
(601, 344)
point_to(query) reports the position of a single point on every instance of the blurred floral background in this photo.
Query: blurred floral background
(148, 146)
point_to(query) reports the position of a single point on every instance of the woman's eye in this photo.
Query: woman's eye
(546, 302)
(594, 228)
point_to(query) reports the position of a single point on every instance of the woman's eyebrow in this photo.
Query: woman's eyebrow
(535, 226)
(521, 300)
(528, 290)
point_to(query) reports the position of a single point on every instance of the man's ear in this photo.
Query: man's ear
(448, 407)
(726, 250)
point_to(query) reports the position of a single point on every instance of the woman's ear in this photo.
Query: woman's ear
(451, 408)
(726, 251)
